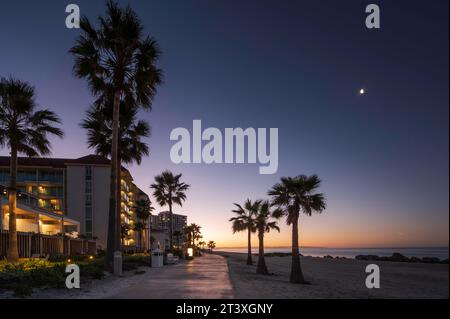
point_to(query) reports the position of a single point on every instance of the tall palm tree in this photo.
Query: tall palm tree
(295, 195)
(143, 211)
(25, 130)
(264, 225)
(139, 227)
(118, 61)
(98, 123)
(124, 232)
(193, 234)
(187, 230)
(168, 190)
(245, 221)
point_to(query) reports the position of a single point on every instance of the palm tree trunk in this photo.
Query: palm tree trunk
(113, 233)
(13, 250)
(118, 192)
(111, 244)
(249, 252)
(170, 226)
(296, 269)
(261, 268)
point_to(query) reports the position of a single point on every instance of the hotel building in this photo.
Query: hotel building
(69, 195)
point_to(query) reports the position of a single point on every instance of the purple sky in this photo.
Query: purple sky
(294, 65)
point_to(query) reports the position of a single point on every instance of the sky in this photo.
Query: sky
(292, 65)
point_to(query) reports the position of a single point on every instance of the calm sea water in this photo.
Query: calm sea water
(439, 252)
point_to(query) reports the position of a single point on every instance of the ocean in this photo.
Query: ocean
(439, 252)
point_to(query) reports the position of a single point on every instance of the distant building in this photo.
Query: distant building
(161, 223)
(63, 195)
(179, 221)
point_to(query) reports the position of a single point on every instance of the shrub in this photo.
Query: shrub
(94, 270)
(22, 277)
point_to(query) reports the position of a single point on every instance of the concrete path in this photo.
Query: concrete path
(204, 277)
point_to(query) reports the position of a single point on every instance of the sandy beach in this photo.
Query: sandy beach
(337, 278)
(230, 277)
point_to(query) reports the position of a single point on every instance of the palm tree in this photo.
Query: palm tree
(143, 211)
(196, 233)
(139, 227)
(245, 221)
(124, 232)
(211, 245)
(188, 234)
(23, 130)
(119, 63)
(263, 225)
(169, 190)
(132, 148)
(202, 244)
(295, 195)
(193, 233)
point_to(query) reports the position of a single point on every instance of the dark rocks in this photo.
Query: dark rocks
(415, 260)
(328, 257)
(362, 257)
(397, 257)
(369, 257)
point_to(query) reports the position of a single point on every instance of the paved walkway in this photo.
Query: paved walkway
(204, 277)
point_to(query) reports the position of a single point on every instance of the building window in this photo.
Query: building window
(88, 211)
(49, 176)
(88, 186)
(88, 171)
(89, 228)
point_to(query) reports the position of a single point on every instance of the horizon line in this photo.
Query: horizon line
(320, 247)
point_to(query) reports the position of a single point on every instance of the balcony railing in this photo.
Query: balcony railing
(38, 245)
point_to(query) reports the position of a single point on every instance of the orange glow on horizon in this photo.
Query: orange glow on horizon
(313, 234)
